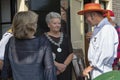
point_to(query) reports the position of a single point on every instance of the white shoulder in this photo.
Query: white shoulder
(7, 34)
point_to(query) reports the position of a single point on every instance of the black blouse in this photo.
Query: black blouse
(67, 49)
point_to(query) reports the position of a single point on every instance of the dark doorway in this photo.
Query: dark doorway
(43, 7)
(7, 11)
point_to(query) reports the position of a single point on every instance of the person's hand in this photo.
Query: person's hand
(87, 70)
(61, 67)
(58, 72)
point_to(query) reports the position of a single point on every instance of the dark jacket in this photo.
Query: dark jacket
(29, 59)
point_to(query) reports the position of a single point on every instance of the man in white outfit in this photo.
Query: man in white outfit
(103, 43)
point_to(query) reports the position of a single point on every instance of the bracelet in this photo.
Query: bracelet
(65, 65)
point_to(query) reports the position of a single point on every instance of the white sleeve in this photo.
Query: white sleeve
(3, 43)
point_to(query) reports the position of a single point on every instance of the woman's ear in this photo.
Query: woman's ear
(48, 25)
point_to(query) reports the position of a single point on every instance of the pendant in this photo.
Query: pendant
(59, 49)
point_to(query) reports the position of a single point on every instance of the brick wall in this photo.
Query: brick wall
(116, 9)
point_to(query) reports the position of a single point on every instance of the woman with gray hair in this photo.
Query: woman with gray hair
(29, 57)
(61, 47)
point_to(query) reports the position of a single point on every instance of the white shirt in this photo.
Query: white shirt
(3, 43)
(103, 48)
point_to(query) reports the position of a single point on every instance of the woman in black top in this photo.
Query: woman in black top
(61, 47)
(29, 57)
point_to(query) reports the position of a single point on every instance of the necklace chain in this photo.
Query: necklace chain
(52, 41)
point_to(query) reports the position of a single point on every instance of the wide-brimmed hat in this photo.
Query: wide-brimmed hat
(91, 7)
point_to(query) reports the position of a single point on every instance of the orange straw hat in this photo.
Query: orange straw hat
(91, 7)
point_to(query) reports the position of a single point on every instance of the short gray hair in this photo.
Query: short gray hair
(52, 15)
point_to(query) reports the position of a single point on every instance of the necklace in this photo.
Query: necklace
(55, 43)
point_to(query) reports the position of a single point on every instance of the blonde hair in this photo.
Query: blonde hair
(24, 24)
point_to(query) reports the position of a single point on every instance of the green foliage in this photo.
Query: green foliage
(112, 75)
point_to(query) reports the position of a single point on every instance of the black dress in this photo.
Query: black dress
(29, 59)
(66, 47)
